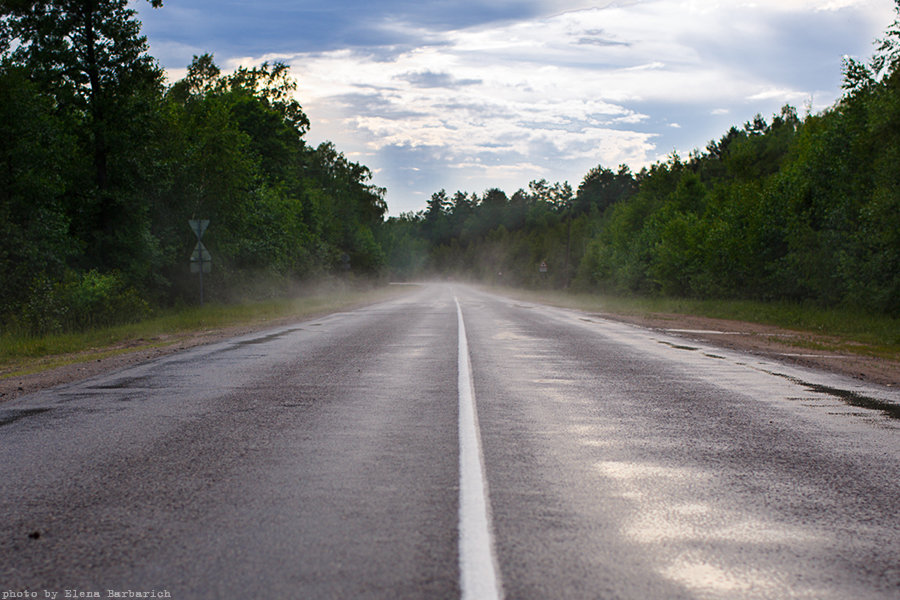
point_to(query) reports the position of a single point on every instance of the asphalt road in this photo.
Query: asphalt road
(338, 458)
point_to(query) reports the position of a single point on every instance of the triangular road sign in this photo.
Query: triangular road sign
(199, 226)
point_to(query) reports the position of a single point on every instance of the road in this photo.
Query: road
(452, 443)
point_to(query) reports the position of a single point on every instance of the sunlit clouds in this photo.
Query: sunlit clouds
(565, 86)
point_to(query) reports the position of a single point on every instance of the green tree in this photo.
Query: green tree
(89, 57)
(36, 153)
(436, 223)
(601, 188)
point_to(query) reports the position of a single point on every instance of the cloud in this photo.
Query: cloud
(431, 79)
(525, 89)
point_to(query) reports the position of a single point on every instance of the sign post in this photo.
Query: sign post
(201, 259)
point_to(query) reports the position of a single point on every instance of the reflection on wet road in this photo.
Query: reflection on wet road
(323, 460)
(648, 467)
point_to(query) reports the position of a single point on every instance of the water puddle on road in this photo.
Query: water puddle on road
(125, 383)
(676, 346)
(849, 397)
(704, 332)
(269, 338)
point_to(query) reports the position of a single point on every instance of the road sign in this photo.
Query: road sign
(201, 259)
(199, 226)
(543, 268)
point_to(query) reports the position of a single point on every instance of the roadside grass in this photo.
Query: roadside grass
(836, 330)
(23, 354)
(841, 330)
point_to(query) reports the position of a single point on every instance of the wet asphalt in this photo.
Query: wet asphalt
(321, 460)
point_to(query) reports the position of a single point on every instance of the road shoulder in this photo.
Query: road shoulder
(797, 347)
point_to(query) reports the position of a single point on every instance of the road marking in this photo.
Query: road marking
(479, 573)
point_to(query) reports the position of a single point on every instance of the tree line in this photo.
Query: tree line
(103, 164)
(801, 209)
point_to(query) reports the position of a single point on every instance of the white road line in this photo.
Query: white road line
(479, 573)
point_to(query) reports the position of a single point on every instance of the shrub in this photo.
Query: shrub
(81, 301)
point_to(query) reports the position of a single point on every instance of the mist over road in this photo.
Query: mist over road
(323, 460)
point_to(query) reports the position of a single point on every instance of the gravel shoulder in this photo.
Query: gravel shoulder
(96, 361)
(797, 347)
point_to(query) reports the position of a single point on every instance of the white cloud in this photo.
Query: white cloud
(562, 92)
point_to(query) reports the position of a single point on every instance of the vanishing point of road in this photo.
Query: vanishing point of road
(453, 443)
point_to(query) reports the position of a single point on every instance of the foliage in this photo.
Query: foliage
(34, 224)
(105, 166)
(81, 301)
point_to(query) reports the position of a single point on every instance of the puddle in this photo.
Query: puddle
(704, 331)
(889, 409)
(271, 336)
(15, 415)
(676, 346)
(120, 384)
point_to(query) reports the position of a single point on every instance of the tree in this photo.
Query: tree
(887, 54)
(34, 242)
(436, 222)
(89, 57)
(462, 206)
(601, 188)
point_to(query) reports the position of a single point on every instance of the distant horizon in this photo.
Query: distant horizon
(463, 96)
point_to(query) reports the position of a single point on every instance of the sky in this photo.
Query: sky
(463, 95)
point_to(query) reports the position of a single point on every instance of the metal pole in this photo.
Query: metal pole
(568, 242)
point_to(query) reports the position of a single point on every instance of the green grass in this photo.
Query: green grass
(853, 330)
(21, 354)
(850, 331)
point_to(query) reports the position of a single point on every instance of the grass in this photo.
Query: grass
(851, 330)
(23, 354)
(833, 329)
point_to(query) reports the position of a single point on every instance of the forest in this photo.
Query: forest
(103, 164)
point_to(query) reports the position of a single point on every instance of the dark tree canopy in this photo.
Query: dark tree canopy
(106, 165)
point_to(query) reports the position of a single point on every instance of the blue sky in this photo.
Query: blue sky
(465, 95)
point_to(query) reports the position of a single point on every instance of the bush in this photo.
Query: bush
(81, 301)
